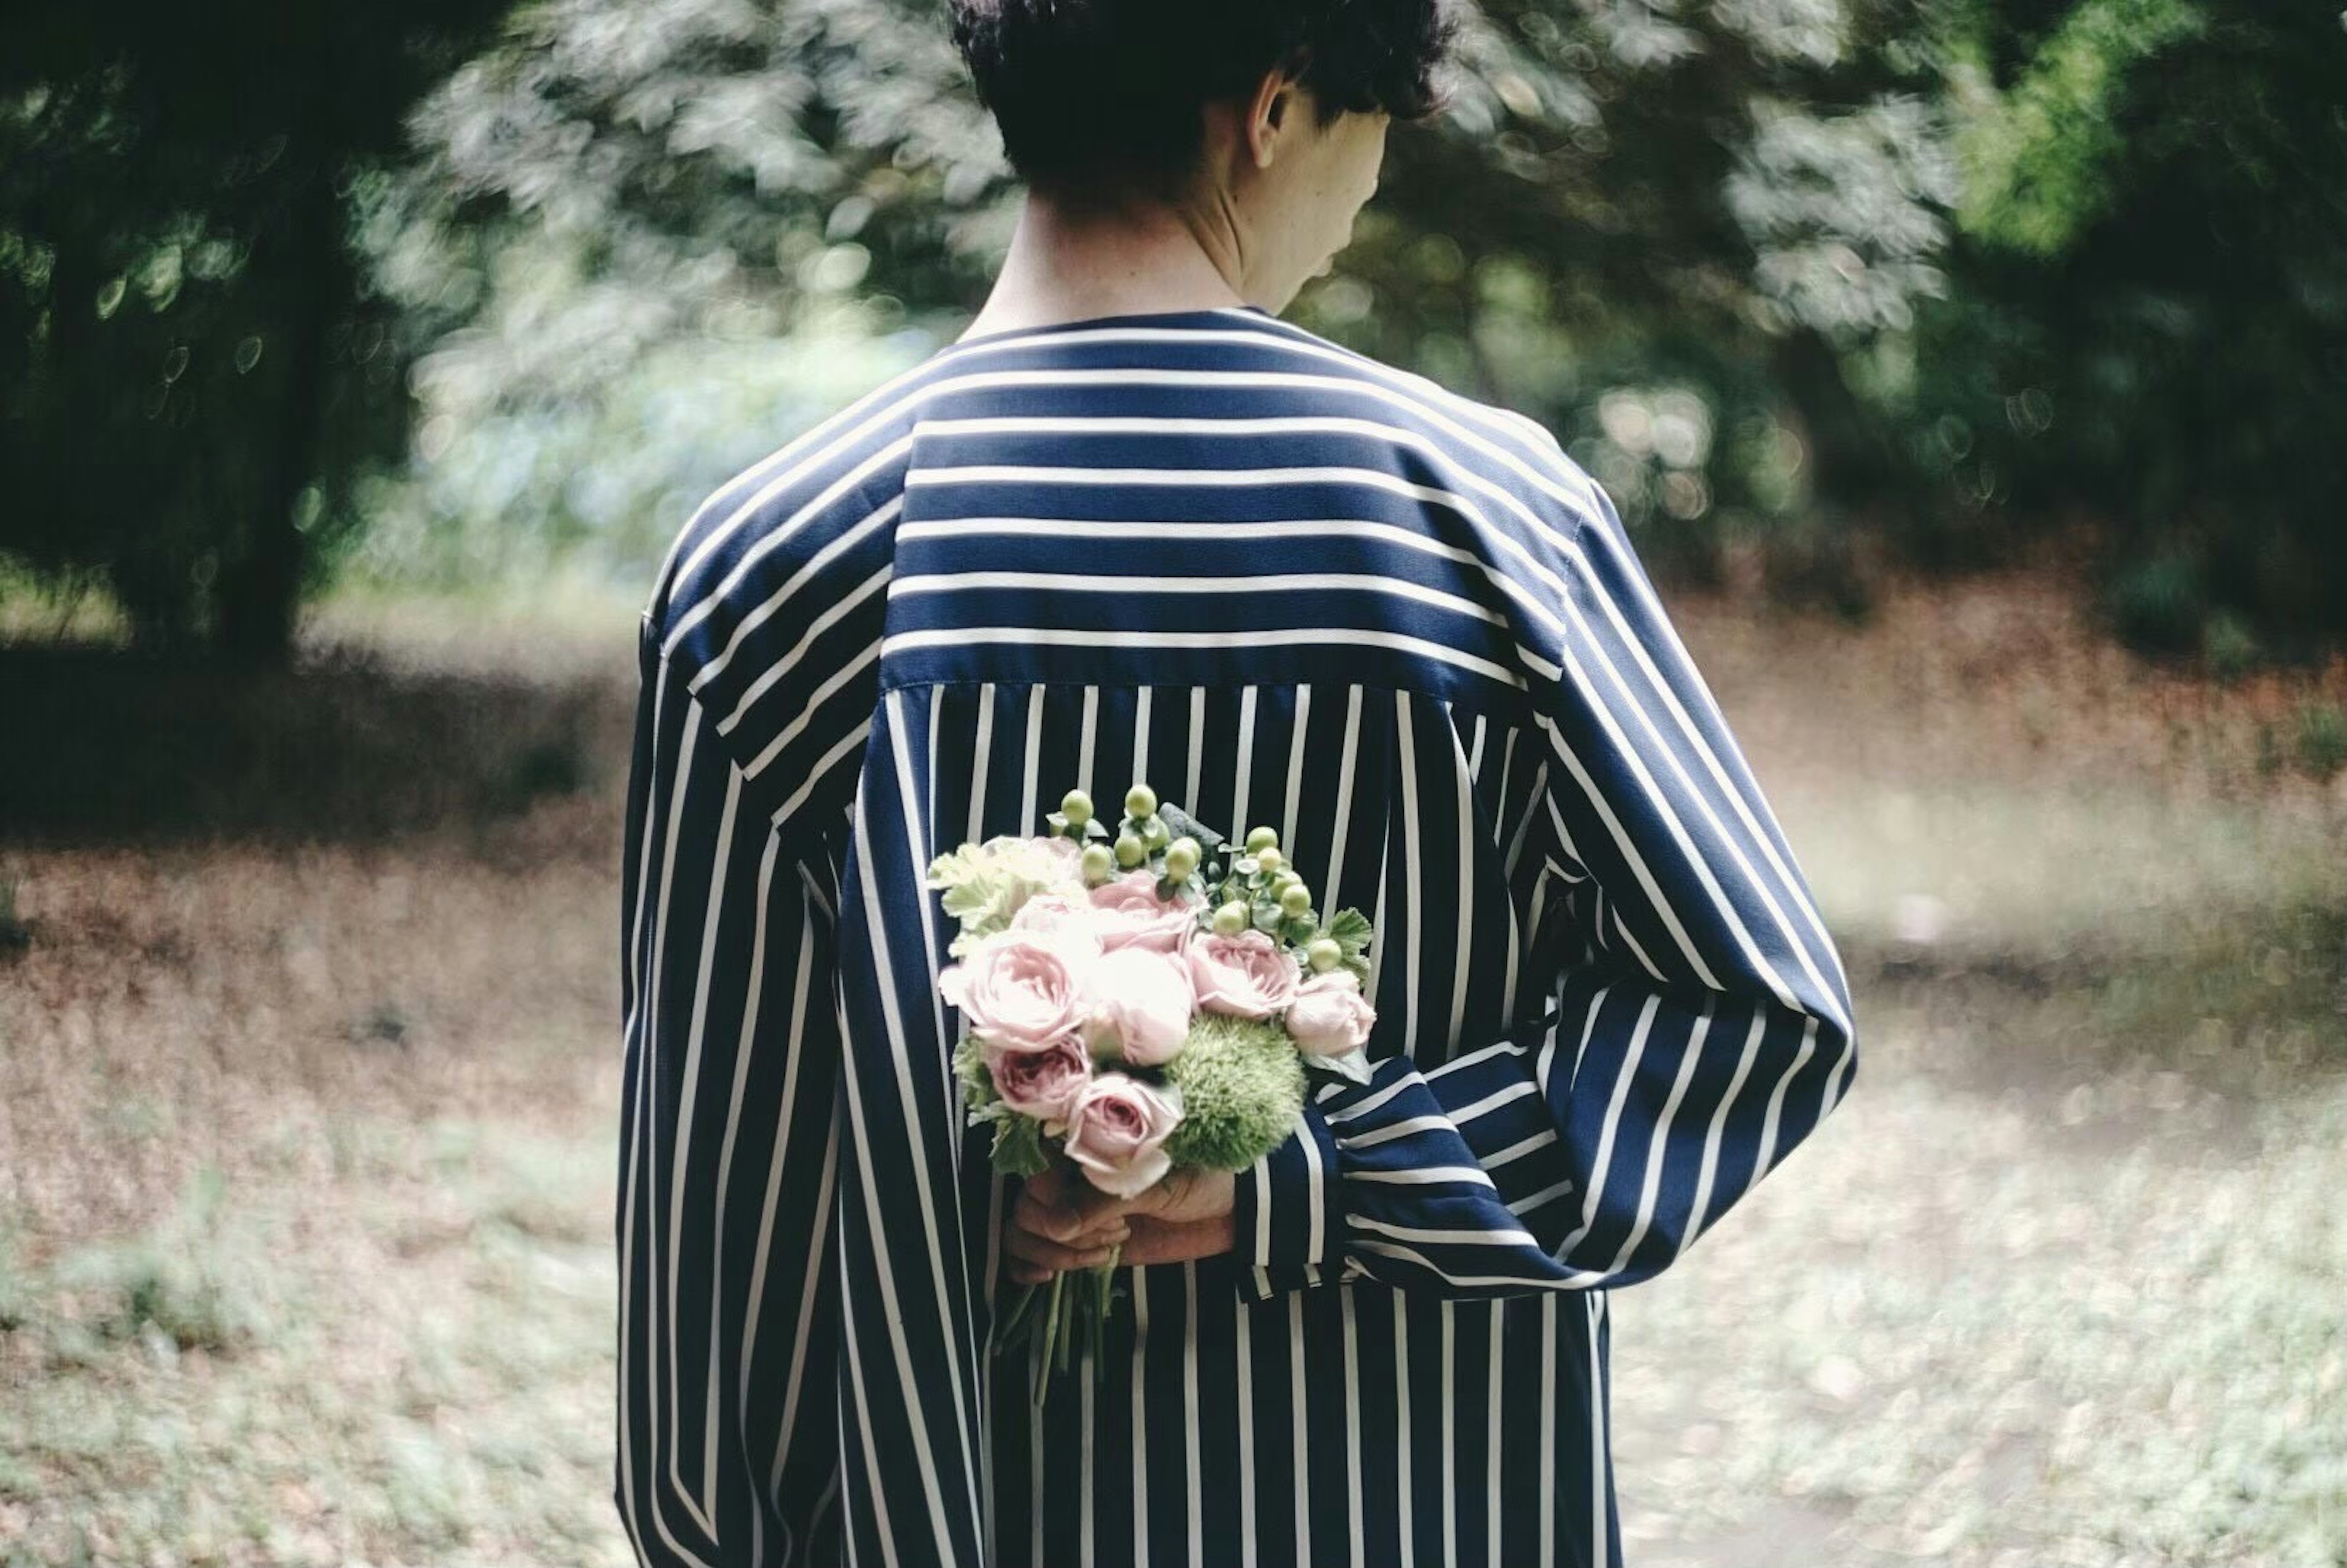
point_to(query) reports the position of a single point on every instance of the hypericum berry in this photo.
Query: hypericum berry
(1096, 861)
(1323, 955)
(1130, 850)
(1076, 807)
(1262, 838)
(1269, 858)
(1232, 918)
(1182, 857)
(1157, 836)
(1140, 802)
(1297, 900)
(1285, 878)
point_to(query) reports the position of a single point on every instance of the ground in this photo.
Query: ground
(308, 1076)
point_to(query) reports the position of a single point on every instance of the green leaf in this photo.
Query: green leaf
(977, 1082)
(1019, 1147)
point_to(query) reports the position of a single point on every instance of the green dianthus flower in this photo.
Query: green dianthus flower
(1242, 1090)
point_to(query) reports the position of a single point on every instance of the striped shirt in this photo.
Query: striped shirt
(1283, 583)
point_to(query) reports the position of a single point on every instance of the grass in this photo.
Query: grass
(308, 1084)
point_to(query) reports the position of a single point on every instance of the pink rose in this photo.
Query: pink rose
(1020, 989)
(1247, 976)
(1141, 1003)
(1329, 1016)
(1130, 913)
(1043, 1083)
(1117, 1132)
(1068, 917)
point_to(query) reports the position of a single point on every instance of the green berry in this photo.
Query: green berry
(1297, 900)
(1269, 858)
(1076, 806)
(1182, 857)
(1130, 850)
(1262, 838)
(1325, 955)
(1096, 861)
(1232, 918)
(1140, 802)
(1156, 835)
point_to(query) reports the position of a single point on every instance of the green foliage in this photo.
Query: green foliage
(1242, 1088)
(506, 484)
(1769, 270)
(1019, 1147)
(2041, 157)
(191, 368)
(14, 932)
(1620, 197)
(977, 1082)
(1351, 930)
(167, 1282)
(2148, 320)
(2321, 737)
(2158, 605)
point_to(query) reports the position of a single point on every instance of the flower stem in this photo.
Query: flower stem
(1013, 1316)
(1103, 1298)
(1043, 1362)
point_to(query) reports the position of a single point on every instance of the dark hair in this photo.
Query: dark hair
(1104, 93)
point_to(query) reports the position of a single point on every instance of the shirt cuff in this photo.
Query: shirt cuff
(1286, 1216)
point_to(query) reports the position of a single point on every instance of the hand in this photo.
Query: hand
(1060, 1221)
(1187, 1215)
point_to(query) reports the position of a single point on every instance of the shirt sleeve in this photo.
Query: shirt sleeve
(1701, 1031)
(723, 1218)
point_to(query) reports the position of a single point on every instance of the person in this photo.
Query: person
(1133, 526)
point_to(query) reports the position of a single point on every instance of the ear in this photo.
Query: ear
(1268, 110)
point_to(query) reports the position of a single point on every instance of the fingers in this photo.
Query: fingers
(1073, 1203)
(1187, 1193)
(1034, 1259)
(1176, 1241)
(1061, 1222)
(1065, 1210)
(1053, 1227)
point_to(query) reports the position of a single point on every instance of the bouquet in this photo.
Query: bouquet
(1137, 1000)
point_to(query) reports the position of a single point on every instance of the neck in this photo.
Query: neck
(1067, 263)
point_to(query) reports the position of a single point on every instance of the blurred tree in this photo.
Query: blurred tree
(1770, 267)
(1667, 234)
(2149, 320)
(192, 365)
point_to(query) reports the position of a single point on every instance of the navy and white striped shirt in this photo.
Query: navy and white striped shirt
(1283, 583)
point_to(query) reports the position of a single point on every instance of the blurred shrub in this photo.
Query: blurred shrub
(1778, 273)
(1658, 233)
(2322, 737)
(175, 1285)
(594, 462)
(191, 366)
(2149, 311)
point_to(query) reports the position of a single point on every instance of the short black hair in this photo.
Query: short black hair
(1107, 93)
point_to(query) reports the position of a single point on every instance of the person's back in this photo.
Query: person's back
(1283, 584)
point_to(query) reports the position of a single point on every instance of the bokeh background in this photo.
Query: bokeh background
(1973, 375)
